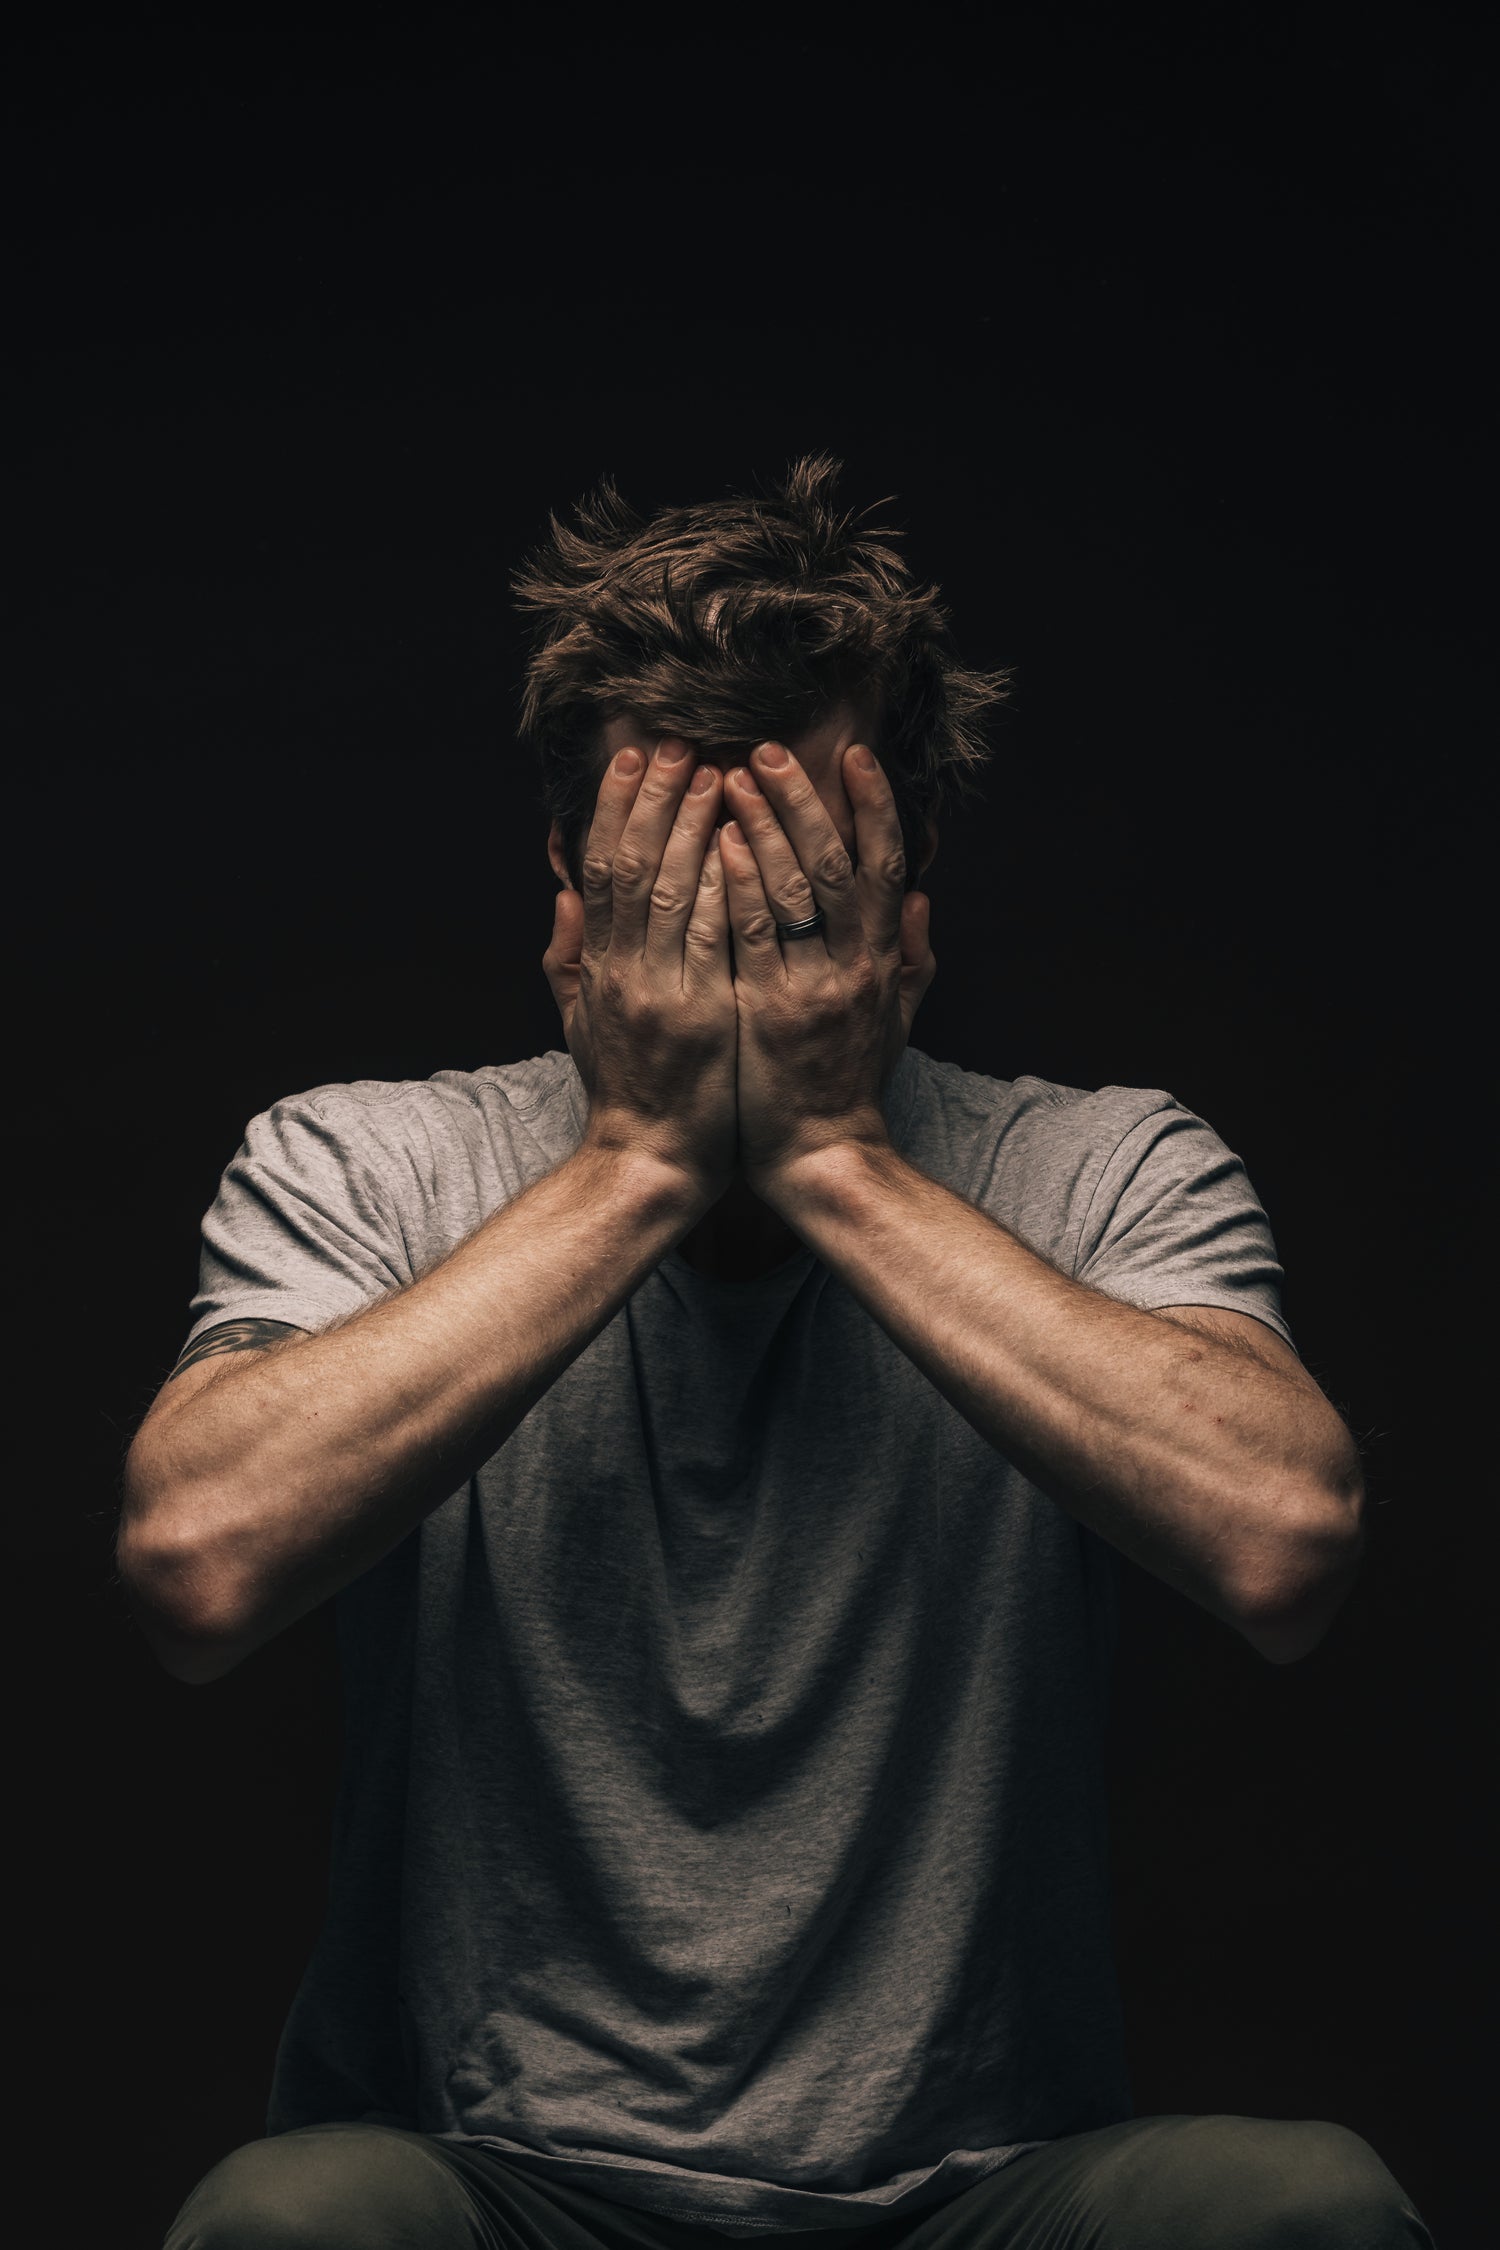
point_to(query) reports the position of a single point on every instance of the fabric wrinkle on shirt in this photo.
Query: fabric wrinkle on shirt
(722, 1822)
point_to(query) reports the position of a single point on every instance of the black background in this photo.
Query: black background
(1166, 340)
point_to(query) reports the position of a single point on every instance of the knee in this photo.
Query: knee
(1304, 2184)
(1341, 2194)
(324, 2187)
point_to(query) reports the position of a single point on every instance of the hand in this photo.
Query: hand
(823, 1020)
(639, 968)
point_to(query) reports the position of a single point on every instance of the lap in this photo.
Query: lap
(1202, 2183)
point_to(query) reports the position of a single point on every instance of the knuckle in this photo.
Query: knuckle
(597, 871)
(890, 866)
(666, 898)
(831, 866)
(631, 868)
(759, 925)
(707, 923)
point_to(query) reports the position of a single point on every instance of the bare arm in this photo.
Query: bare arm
(1214, 1463)
(273, 1470)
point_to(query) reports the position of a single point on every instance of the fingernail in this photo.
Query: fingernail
(746, 781)
(864, 759)
(771, 754)
(702, 782)
(628, 762)
(670, 752)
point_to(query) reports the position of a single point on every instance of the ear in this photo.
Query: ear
(561, 961)
(929, 845)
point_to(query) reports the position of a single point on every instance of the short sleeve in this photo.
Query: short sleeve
(301, 1229)
(1174, 1220)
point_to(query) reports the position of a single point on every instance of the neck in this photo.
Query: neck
(739, 1237)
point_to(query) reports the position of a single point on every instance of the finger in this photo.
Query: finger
(880, 878)
(705, 955)
(801, 855)
(675, 892)
(638, 854)
(757, 948)
(617, 795)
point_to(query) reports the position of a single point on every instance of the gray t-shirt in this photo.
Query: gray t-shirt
(722, 1820)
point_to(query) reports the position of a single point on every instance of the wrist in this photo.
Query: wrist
(817, 1169)
(665, 1185)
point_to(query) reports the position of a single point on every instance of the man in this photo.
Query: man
(717, 1438)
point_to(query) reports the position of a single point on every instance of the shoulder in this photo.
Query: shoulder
(374, 1113)
(1041, 1116)
(1043, 1157)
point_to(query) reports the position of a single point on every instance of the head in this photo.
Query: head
(760, 617)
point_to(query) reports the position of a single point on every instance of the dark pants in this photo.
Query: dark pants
(1154, 2183)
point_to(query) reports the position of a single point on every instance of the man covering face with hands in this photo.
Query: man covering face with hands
(792, 892)
(718, 1436)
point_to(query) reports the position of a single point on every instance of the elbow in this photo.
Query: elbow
(179, 1626)
(1286, 1637)
(175, 1592)
(1285, 1620)
(194, 1662)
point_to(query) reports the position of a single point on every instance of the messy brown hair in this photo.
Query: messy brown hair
(738, 620)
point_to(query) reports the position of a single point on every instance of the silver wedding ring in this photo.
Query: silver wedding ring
(809, 928)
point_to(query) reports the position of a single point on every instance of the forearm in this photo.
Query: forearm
(294, 1471)
(1207, 1467)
